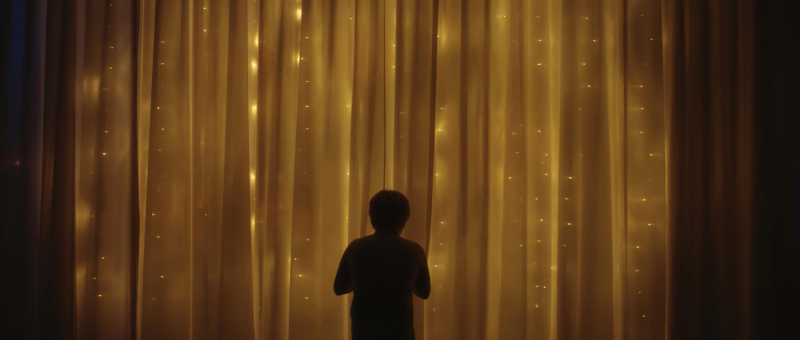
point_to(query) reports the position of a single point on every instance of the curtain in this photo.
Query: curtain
(709, 91)
(265, 127)
(195, 168)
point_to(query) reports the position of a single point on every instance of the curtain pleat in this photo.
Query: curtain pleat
(105, 217)
(708, 91)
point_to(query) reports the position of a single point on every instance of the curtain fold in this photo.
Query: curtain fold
(709, 95)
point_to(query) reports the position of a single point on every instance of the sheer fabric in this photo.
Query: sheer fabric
(528, 136)
(224, 160)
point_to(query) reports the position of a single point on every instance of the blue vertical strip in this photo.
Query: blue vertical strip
(17, 292)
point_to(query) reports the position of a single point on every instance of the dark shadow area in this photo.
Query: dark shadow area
(776, 237)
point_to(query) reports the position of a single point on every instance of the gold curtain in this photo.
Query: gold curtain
(528, 136)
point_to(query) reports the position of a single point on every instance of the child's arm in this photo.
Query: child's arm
(343, 283)
(422, 285)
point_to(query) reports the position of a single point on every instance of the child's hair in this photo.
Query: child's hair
(388, 211)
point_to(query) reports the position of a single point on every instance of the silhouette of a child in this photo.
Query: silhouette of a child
(383, 270)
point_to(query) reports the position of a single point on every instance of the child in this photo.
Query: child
(382, 270)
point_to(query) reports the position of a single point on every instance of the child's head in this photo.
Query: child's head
(388, 211)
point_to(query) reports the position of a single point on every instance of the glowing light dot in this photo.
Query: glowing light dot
(295, 259)
(158, 236)
(158, 107)
(637, 247)
(436, 265)
(100, 295)
(306, 297)
(570, 177)
(539, 64)
(112, 47)
(509, 177)
(103, 258)
(162, 276)
(307, 240)
(104, 153)
(301, 275)
(644, 199)
(520, 245)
